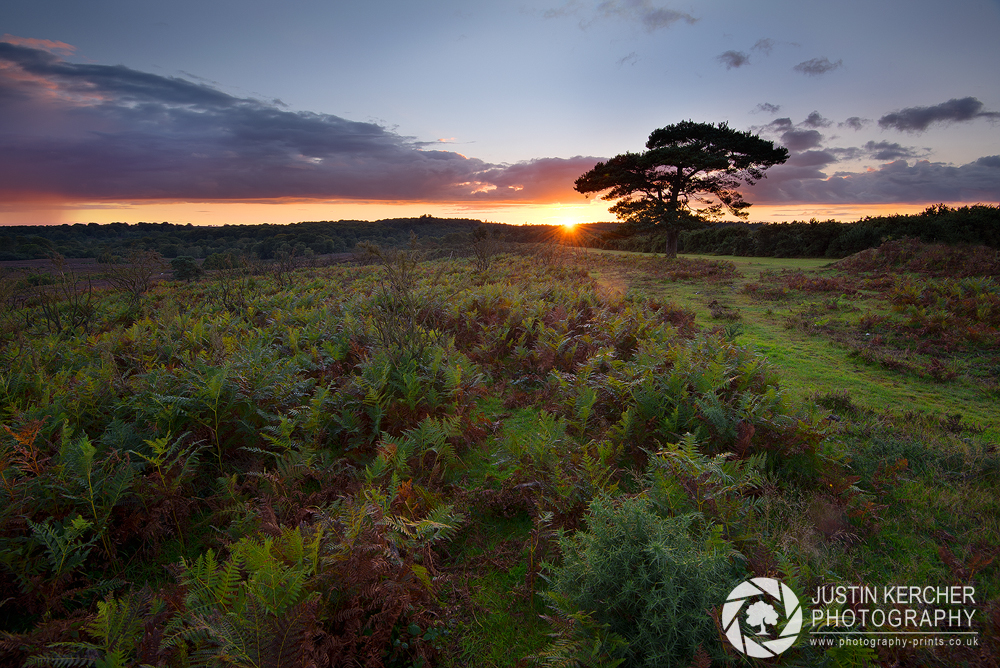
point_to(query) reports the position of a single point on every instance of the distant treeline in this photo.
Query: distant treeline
(266, 241)
(978, 224)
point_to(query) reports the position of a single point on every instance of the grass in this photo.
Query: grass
(499, 622)
(812, 363)
(751, 267)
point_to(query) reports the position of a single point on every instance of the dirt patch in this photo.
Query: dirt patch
(78, 265)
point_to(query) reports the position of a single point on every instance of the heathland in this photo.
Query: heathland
(489, 453)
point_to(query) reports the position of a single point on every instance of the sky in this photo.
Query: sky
(246, 111)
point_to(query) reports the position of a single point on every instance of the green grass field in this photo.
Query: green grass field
(812, 363)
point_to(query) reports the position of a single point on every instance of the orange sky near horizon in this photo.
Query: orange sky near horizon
(284, 212)
(294, 211)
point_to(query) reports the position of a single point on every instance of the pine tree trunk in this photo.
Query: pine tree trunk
(671, 245)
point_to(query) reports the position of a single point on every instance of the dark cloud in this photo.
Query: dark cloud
(96, 81)
(631, 59)
(643, 11)
(767, 107)
(85, 131)
(849, 153)
(918, 119)
(876, 150)
(733, 59)
(816, 120)
(765, 45)
(855, 123)
(883, 150)
(570, 8)
(817, 66)
(812, 159)
(61, 48)
(894, 182)
(780, 124)
(801, 140)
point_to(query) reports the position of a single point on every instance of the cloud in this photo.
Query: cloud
(883, 150)
(545, 179)
(643, 11)
(918, 119)
(849, 153)
(855, 123)
(61, 48)
(765, 46)
(568, 9)
(894, 182)
(733, 59)
(803, 140)
(816, 120)
(817, 66)
(104, 133)
(631, 59)
(768, 108)
(800, 140)
(812, 159)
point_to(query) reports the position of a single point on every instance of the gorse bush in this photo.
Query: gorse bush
(646, 579)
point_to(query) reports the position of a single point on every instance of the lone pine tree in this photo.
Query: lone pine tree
(689, 174)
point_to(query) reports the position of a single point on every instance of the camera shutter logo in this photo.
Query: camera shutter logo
(759, 601)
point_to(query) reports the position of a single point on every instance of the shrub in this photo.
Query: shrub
(185, 268)
(485, 246)
(935, 259)
(67, 302)
(221, 260)
(645, 579)
(400, 316)
(135, 275)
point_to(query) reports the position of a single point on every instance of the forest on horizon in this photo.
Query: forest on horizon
(977, 224)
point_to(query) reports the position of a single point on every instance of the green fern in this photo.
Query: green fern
(210, 585)
(578, 640)
(440, 525)
(684, 479)
(274, 584)
(98, 485)
(119, 621)
(84, 657)
(117, 628)
(65, 548)
(256, 609)
(584, 407)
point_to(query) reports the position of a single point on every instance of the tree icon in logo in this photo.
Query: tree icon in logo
(762, 613)
(760, 596)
